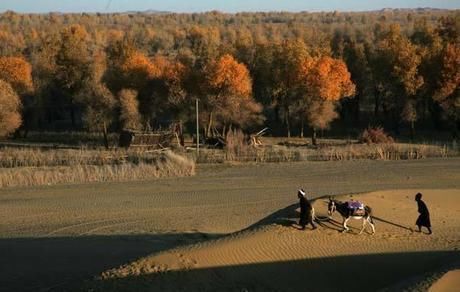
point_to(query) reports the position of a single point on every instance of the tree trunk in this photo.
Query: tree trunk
(357, 110)
(104, 132)
(288, 126)
(224, 130)
(72, 116)
(313, 137)
(412, 130)
(376, 103)
(208, 131)
(301, 128)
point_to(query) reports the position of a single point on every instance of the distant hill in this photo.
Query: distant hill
(150, 11)
(420, 9)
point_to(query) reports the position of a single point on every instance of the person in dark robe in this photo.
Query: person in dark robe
(306, 210)
(423, 219)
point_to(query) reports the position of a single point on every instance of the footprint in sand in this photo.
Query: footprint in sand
(186, 263)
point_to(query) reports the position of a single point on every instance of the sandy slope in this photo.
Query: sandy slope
(279, 257)
(449, 282)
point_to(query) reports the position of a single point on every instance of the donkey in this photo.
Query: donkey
(346, 212)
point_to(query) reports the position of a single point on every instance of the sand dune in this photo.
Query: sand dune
(279, 257)
(448, 282)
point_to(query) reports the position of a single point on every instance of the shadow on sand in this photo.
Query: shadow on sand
(57, 264)
(343, 273)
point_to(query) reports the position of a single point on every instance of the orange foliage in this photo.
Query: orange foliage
(115, 35)
(18, 72)
(10, 105)
(140, 64)
(230, 76)
(75, 32)
(173, 75)
(174, 71)
(9, 39)
(138, 69)
(230, 86)
(329, 79)
(450, 79)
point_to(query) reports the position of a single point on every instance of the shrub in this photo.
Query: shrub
(235, 144)
(375, 136)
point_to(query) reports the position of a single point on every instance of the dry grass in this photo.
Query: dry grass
(263, 154)
(383, 152)
(68, 138)
(55, 171)
(279, 153)
(32, 157)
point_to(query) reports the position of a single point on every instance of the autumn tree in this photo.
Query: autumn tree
(98, 100)
(18, 73)
(286, 77)
(229, 95)
(204, 43)
(355, 56)
(129, 109)
(448, 94)
(430, 47)
(395, 67)
(409, 114)
(10, 109)
(12, 43)
(72, 65)
(165, 59)
(326, 81)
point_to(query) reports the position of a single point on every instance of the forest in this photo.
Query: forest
(296, 73)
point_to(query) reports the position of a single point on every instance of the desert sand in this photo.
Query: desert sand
(449, 282)
(278, 257)
(230, 228)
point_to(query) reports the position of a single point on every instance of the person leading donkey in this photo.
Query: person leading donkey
(306, 210)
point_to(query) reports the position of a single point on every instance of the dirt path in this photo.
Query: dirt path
(70, 232)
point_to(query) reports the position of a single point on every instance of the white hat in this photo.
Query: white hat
(302, 192)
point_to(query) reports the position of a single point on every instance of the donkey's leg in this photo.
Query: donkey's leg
(345, 227)
(364, 225)
(369, 220)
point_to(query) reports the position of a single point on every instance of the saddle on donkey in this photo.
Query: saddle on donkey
(356, 208)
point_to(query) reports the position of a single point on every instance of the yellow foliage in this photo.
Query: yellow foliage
(230, 76)
(329, 79)
(450, 71)
(17, 72)
(138, 64)
(76, 32)
(10, 105)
